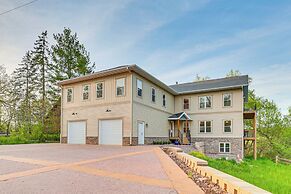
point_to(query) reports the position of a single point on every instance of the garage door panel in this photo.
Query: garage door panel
(110, 132)
(76, 132)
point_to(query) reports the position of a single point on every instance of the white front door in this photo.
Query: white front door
(140, 128)
(77, 132)
(110, 132)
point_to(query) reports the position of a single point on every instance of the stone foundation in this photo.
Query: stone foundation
(64, 140)
(211, 147)
(126, 141)
(150, 140)
(92, 140)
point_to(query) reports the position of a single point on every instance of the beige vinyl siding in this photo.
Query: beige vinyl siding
(92, 114)
(109, 91)
(154, 114)
(94, 109)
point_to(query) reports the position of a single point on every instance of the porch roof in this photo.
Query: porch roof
(179, 116)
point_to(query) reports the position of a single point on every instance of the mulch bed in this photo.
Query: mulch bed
(203, 182)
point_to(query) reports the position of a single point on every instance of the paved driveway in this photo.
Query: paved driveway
(55, 168)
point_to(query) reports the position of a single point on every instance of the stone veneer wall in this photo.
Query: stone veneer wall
(211, 147)
(150, 140)
(92, 140)
(64, 140)
(126, 141)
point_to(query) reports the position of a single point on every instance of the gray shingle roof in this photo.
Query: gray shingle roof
(211, 85)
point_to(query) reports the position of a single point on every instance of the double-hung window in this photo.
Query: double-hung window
(120, 87)
(205, 126)
(139, 87)
(186, 104)
(227, 126)
(224, 147)
(205, 102)
(227, 100)
(100, 90)
(70, 94)
(85, 95)
(153, 95)
(164, 100)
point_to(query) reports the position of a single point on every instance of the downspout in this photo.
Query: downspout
(131, 104)
(61, 115)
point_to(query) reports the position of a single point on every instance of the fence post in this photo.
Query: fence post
(276, 159)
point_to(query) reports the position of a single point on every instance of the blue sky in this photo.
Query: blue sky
(173, 40)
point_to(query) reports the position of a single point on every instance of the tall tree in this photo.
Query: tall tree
(69, 56)
(233, 73)
(41, 59)
(24, 81)
(201, 78)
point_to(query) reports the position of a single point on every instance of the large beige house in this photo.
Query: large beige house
(128, 106)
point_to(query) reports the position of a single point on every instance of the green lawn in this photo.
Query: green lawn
(263, 173)
(46, 138)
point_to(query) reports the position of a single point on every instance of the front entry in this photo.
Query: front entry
(140, 129)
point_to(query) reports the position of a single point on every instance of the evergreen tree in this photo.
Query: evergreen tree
(24, 81)
(41, 59)
(69, 56)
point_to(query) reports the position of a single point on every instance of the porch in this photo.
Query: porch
(180, 128)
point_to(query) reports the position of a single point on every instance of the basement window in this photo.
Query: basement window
(224, 147)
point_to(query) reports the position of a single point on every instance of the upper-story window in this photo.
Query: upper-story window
(186, 103)
(100, 90)
(224, 147)
(139, 87)
(70, 95)
(227, 126)
(86, 89)
(227, 100)
(164, 100)
(205, 101)
(120, 87)
(205, 126)
(153, 95)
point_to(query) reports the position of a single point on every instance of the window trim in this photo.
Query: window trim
(137, 80)
(184, 104)
(152, 88)
(231, 99)
(205, 96)
(82, 95)
(72, 100)
(117, 78)
(164, 103)
(211, 125)
(223, 125)
(224, 147)
(103, 89)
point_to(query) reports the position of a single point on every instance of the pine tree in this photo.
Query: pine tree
(41, 60)
(24, 82)
(69, 56)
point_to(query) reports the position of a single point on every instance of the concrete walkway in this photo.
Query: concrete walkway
(55, 168)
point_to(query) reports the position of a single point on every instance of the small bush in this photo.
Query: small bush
(199, 155)
(161, 142)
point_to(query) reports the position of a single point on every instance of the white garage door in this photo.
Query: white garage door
(110, 132)
(77, 132)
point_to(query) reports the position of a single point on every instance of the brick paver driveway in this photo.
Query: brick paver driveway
(55, 168)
